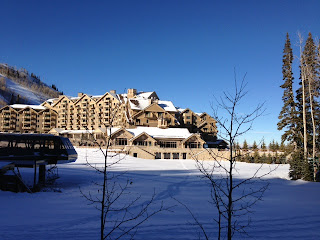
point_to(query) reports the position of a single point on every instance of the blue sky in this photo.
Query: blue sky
(186, 51)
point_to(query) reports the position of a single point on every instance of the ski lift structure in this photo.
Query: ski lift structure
(35, 151)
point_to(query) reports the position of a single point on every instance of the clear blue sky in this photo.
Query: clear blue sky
(184, 50)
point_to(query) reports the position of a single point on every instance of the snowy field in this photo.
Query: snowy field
(289, 210)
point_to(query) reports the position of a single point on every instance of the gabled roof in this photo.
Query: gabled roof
(108, 93)
(60, 99)
(154, 104)
(194, 135)
(9, 108)
(82, 97)
(141, 134)
(116, 130)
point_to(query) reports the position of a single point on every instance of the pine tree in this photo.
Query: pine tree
(288, 114)
(245, 145)
(263, 146)
(254, 145)
(272, 146)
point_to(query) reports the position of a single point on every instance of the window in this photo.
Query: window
(121, 141)
(192, 145)
(158, 155)
(175, 155)
(140, 143)
(135, 154)
(184, 155)
(166, 155)
(168, 144)
(188, 117)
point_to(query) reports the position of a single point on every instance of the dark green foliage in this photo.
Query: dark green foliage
(263, 146)
(288, 114)
(12, 99)
(254, 145)
(245, 145)
(296, 165)
(274, 146)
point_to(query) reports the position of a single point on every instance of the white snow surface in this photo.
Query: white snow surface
(139, 104)
(167, 105)
(33, 97)
(22, 106)
(289, 210)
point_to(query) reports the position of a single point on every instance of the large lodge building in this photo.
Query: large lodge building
(140, 124)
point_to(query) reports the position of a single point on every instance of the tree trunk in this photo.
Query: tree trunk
(303, 78)
(313, 122)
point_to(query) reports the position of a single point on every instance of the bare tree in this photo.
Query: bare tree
(121, 212)
(233, 198)
(303, 83)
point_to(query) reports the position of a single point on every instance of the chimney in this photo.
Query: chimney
(80, 94)
(132, 92)
(113, 91)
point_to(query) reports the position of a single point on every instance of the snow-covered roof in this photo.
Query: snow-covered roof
(167, 105)
(144, 95)
(21, 106)
(179, 133)
(97, 96)
(139, 104)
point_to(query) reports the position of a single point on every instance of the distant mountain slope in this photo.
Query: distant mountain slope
(18, 86)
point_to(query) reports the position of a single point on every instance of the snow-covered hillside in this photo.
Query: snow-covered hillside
(24, 92)
(289, 210)
(17, 86)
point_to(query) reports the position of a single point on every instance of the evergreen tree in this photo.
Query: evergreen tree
(263, 146)
(12, 99)
(307, 104)
(245, 145)
(272, 146)
(288, 114)
(254, 146)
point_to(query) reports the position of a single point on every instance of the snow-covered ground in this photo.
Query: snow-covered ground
(289, 210)
(32, 96)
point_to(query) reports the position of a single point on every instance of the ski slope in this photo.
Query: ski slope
(289, 210)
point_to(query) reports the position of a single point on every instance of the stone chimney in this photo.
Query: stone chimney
(80, 94)
(113, 91)
(132, 92)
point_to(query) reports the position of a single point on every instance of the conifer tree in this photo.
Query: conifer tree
(263, 146)
(245, 145)
(254, 145)
(288, 114)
